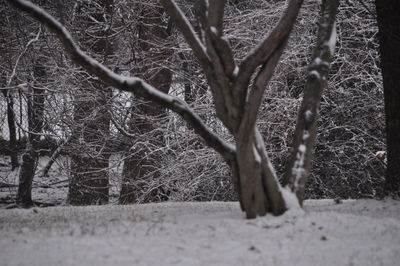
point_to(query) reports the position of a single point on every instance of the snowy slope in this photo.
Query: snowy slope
(362, 232)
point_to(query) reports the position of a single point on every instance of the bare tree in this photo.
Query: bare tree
(237, 90)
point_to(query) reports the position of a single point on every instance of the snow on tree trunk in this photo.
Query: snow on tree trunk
(299, 163)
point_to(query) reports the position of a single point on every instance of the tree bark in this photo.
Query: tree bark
(142, 161)
(389, 37)
(300, 160)
(35, 125)
(89, 182)
(12, 145)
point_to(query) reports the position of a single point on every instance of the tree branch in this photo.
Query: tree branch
(121, 128)
(256, 95)
(266, 48)
(224, 52)
(188, 32)
(129, 84)
(216, 14)
(200, 52)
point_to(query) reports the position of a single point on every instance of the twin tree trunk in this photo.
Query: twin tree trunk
(238, 98)
(389, 36)
(89, 182)
(238, 92)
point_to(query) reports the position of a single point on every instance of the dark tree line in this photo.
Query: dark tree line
(389, 36)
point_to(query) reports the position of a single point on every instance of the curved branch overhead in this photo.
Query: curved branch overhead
(129, 84)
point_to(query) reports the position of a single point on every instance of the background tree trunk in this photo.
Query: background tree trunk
(89, 182)
(30, 157)
(143, 161)
(12, 145)
(388, 12)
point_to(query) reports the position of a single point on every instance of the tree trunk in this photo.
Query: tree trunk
(89, 155)
(256, 182)
(35, 125)
(89, 182)
(253, 197)
(12, 146)
(143, 161)
(305, 134)
(389, 36)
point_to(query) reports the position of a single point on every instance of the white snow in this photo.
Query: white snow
(318, 61)
(235, 71)
(292, 203)
(256, 155)
(356, 232)
(314, 74)
(214, 30)
(298, 167)
(308, 115)
(306, 135)
(302, 148)
(332, 40)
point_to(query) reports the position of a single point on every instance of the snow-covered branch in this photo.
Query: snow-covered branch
(129, 84)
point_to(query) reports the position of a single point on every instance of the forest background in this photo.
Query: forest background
(110, 146)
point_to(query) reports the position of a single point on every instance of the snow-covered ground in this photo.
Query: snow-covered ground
(355, 232)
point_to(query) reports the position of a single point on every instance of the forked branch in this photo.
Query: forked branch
(266, 48)
(188, 32)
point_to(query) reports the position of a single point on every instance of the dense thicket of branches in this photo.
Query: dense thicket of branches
(350, 131)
